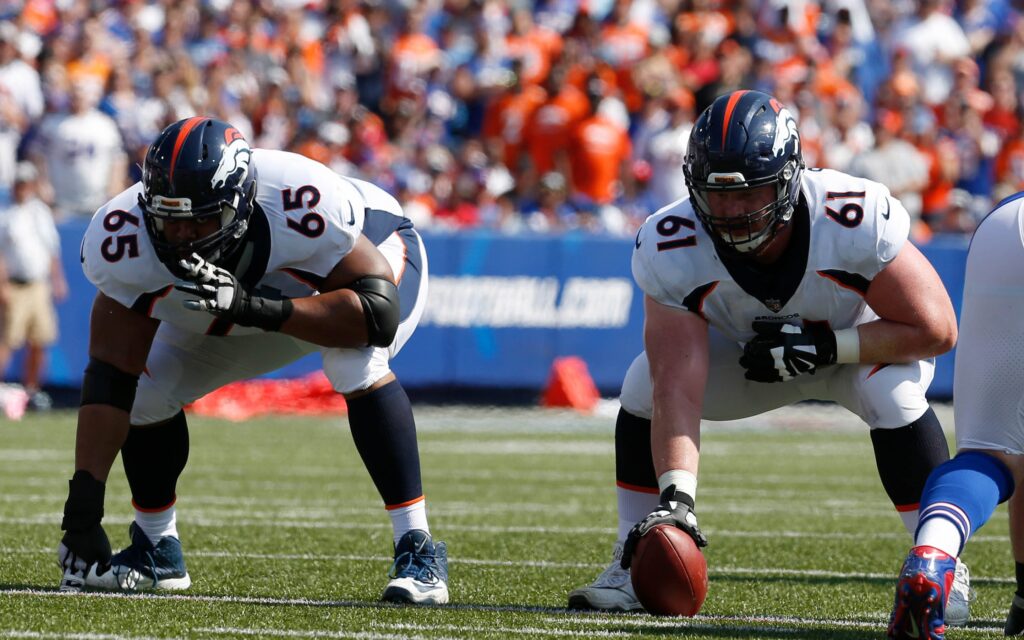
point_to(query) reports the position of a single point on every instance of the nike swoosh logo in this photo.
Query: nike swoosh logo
(638, 238)
(931, 555)
(352, 214)
(885, 214)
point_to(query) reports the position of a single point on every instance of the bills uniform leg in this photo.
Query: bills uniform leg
(989, 396)
(384, 431)
(892, 401)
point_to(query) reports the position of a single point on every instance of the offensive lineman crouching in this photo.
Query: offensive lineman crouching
(769, 285)
(210, 271)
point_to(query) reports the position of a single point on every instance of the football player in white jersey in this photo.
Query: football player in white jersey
(225, 263)
(988, 380)
(768, 285)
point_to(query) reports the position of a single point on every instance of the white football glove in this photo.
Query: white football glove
(219, 292)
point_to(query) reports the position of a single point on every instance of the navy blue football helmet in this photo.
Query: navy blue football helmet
(745, 139)
(198, 168)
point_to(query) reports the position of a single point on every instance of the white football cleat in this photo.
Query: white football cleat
(958, 607)
(611, 591)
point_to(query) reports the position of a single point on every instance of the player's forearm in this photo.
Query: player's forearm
(332, 319)
(895, 342)
(675, 434)
(102, 430)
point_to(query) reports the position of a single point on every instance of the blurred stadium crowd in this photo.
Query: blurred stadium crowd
(519, 116)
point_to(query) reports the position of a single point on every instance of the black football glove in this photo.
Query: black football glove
(781, 352)
(219, 292)
(85, 542)
(676, 509)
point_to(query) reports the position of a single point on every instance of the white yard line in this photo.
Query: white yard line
(263, 523)
(295, 633)
(45, 635)
(535, 564)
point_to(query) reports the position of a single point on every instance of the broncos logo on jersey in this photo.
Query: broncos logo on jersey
(235, 158)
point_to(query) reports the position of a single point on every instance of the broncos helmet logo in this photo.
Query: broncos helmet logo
(235, 158)
(785, 128)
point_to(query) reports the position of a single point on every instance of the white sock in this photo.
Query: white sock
(634, 506)
(909, 519)
(405, 519)
(157, 524)
(941, 534)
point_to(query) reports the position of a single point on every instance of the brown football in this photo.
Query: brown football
(669, 573)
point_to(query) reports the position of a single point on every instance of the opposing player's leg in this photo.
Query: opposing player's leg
(961, 494)
(384, 430)
(729, 396)
(958, 499)
(181, 368)
(908, 442)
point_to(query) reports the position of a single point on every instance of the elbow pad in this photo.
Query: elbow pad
(379, 297)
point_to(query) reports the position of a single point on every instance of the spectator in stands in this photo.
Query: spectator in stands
(82, 154)
(934, 40)
(600, 150)
(897, 164)
(21, 102)
(441, 74)
(668, 124)
(35, 278)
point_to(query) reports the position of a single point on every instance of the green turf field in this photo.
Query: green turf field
(285, 537)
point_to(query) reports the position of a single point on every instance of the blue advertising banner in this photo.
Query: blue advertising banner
(501, 309)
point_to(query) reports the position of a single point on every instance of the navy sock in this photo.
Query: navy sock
(384, 431)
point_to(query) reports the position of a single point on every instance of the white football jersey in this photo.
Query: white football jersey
(846, 233)
(308, 218)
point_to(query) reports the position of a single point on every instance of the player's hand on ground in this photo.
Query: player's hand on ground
(79, 550)
(781, 352)
(676, 509)
(219, 292)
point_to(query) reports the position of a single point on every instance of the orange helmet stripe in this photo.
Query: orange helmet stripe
(733, 99)
(183, 132)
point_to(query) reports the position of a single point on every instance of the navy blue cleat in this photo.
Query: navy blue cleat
(419, 574)
(921, 593)
(143, 566)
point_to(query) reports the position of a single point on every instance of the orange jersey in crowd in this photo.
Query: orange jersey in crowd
(548, 131)
(412, 56)
(507, 117)
(536, 49)
(624, 47)
(596, 152)
(1010, 164)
